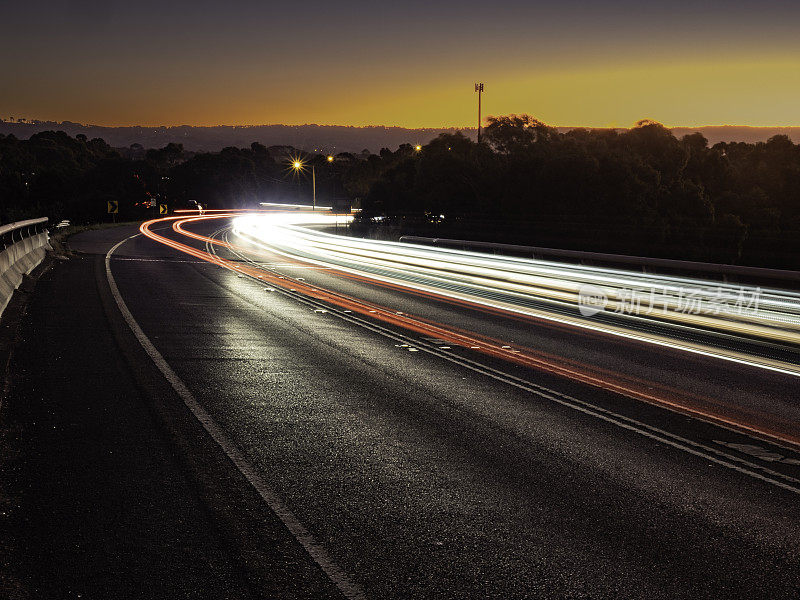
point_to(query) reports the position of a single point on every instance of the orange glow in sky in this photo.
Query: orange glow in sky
(607, 63)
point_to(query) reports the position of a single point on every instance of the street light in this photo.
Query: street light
(298, 166)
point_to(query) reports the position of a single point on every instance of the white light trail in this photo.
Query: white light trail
(679, 312)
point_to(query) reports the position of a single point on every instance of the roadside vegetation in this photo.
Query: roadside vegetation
(641, 191)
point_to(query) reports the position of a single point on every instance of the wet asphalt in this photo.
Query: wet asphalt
(420, 477)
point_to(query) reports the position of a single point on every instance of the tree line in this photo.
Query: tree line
(641, 191)
(53, 174)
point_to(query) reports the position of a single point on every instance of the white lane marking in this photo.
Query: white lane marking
(160, 260)
(775, 441)
(759, 452)
(300, 533)
(286, 265)
(709, 453)
(679, 343)
(643, 429)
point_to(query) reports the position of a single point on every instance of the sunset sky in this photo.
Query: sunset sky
(411, 63)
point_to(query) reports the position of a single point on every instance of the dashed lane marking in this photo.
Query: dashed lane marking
(704, 451)
(760, 453)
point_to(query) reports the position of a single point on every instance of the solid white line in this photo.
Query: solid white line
(339, 578)
(159, 260)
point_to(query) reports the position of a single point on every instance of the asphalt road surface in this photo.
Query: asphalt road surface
(327, 452)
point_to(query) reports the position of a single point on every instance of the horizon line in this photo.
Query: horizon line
(457, 127)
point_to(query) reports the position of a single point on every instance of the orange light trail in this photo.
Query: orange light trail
(678, 401)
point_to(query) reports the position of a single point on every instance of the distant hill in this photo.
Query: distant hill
(322, 138)
(728, 133)
(734, 133)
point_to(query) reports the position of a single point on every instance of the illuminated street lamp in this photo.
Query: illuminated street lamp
(418, 148)
(298, 165)
(330, 158)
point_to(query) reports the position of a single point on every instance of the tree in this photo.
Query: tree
(516, 133)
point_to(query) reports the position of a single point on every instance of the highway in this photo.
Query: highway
(428, 423)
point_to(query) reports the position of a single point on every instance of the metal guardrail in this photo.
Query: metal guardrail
(22, 247)
(623, 260)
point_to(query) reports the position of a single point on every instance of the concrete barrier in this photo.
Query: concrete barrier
(24, 245)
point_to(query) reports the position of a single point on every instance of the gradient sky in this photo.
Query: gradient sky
(409, 63)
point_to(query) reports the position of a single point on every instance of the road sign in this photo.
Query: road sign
(113, 207)
(162, 209)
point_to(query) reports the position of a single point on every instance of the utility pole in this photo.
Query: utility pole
(479, 89)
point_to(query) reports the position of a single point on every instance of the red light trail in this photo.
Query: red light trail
(638, 389)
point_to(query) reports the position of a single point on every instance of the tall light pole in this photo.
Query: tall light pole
(479, 89)
(297, 165)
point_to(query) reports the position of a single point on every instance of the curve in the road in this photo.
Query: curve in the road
(481, 344)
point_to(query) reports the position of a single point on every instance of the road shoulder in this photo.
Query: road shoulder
(112, 491)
